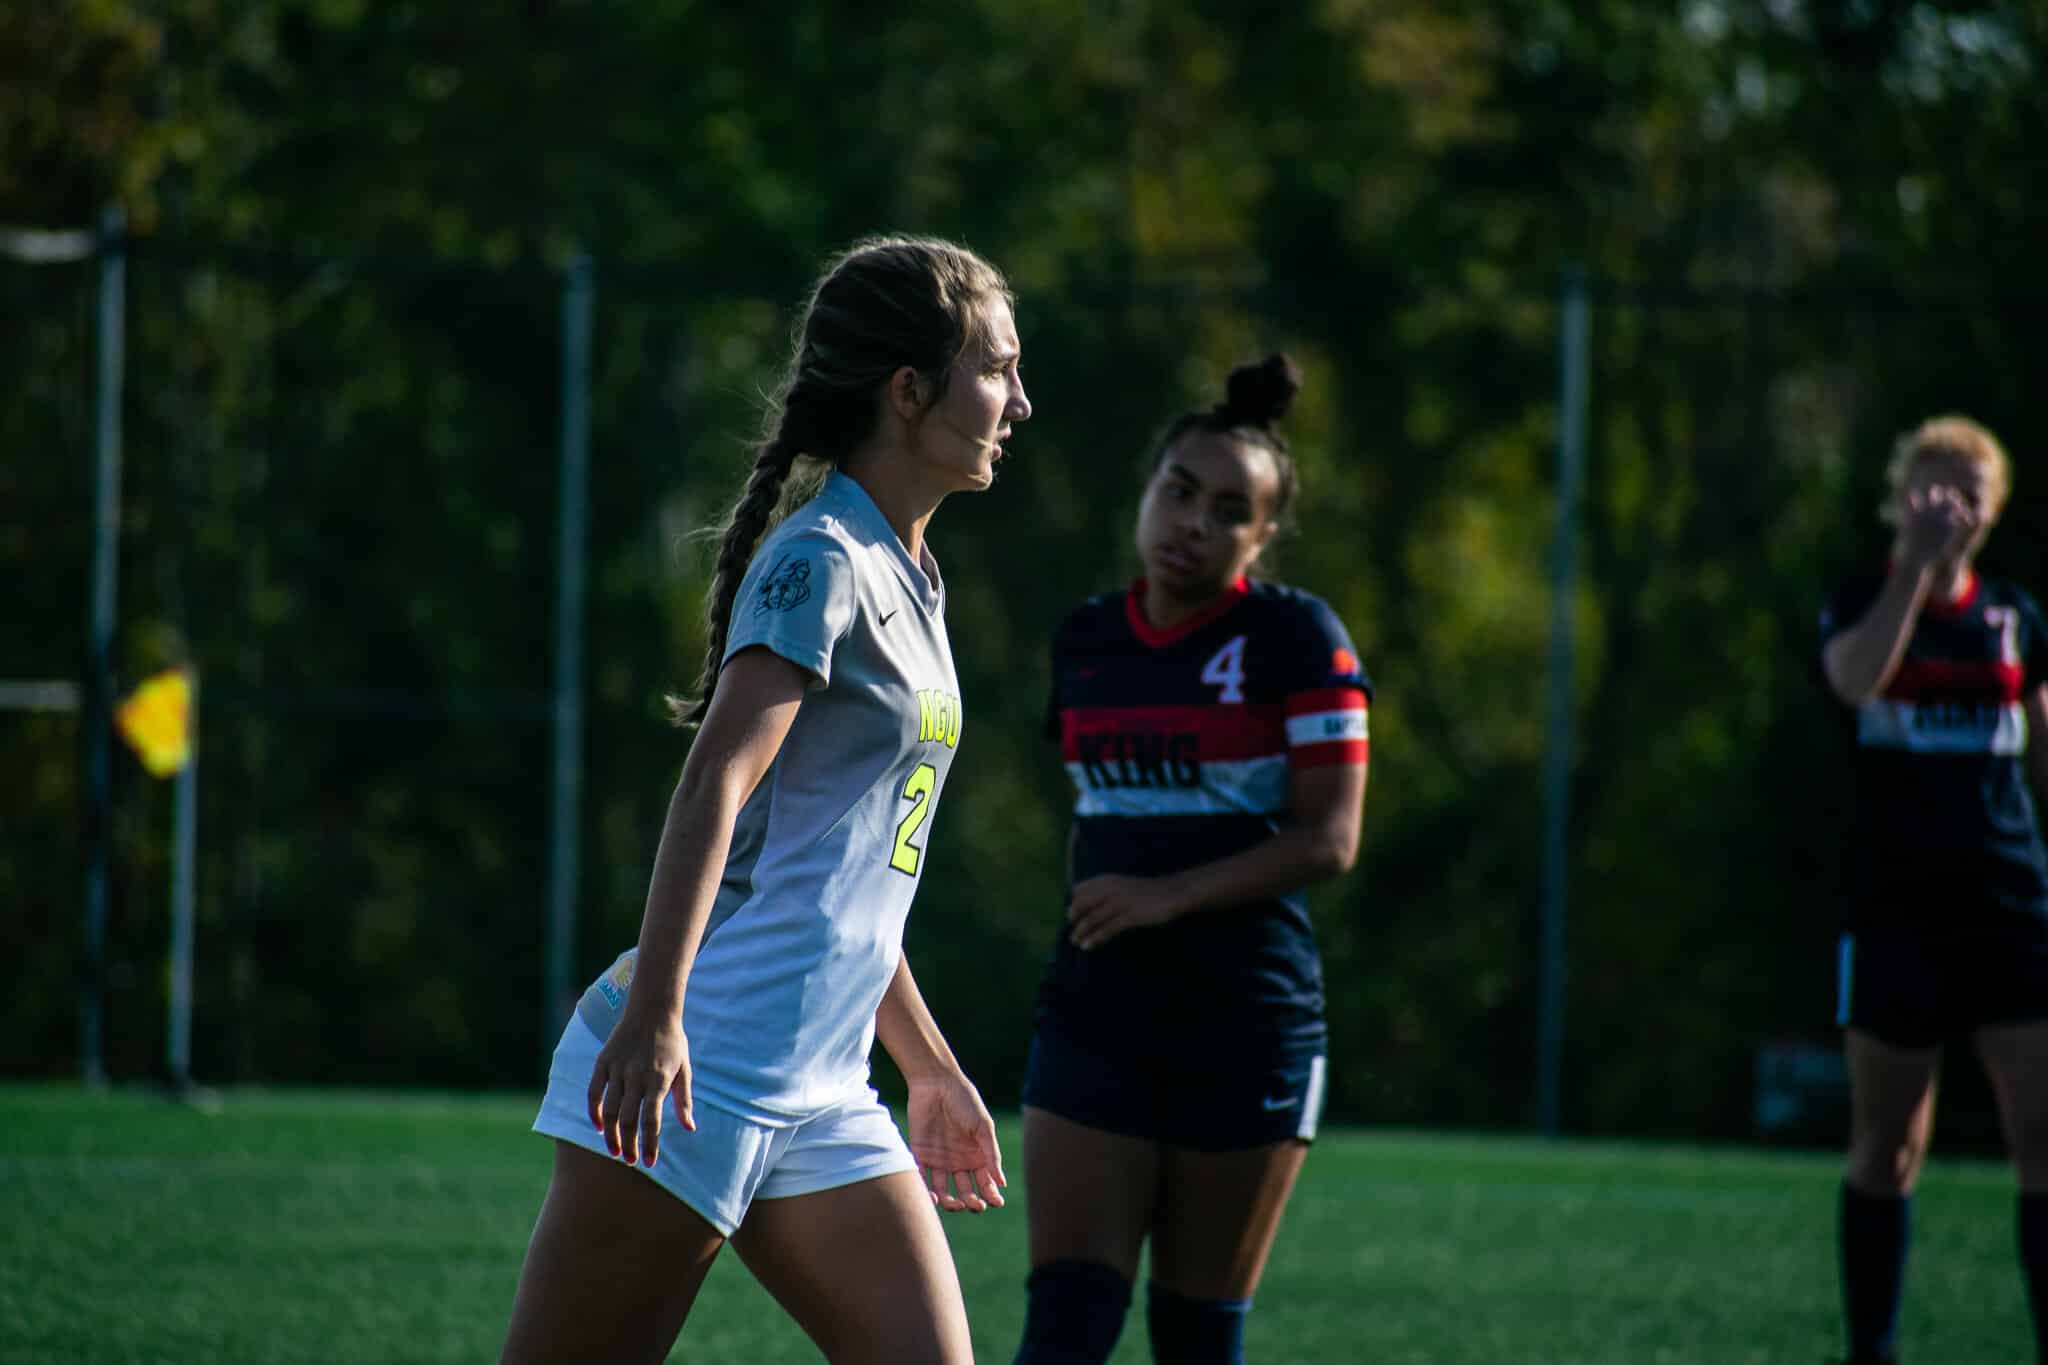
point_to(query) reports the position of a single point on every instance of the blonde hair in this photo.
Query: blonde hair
(884, 303)
(1950, 434)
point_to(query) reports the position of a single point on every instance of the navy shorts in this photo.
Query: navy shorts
(1913, 989)
(1193, 1099)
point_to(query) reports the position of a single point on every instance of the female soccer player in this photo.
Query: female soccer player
(1946, 675)
(1215, 732)
(770, 956)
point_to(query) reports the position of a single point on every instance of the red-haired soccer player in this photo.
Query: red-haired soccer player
(1215, 731)
(1945, 673)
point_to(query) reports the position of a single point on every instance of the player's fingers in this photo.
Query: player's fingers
(969, 1197)
(992, 1151)
(609, 1106)
(989, 1187)
(627, 1121)
(593, 1101)
(935, 1183)
(1100, 930)
(650, 1126)
(679, 1091)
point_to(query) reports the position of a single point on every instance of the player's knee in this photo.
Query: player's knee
(1887, 1164)
(1188, 1331)
(1074, 1314)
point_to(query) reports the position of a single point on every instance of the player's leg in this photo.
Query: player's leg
(1891, 1106)
(1091, 1173)
(1239, 1135)
(1218, 1215)
(1088, 1197)
(1891, 1113)
(1889, 983)
(613, 1267)
(2016, 1057)
(864, 1269)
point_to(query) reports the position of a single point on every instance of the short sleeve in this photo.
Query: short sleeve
(2034, 644)
(799, 600)
(1329, 694)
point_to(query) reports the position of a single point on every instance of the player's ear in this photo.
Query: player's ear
(905, 393)
(1265, 535)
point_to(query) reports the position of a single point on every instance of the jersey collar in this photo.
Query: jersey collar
(1961, 602)
(1149, 634)
(921, 576)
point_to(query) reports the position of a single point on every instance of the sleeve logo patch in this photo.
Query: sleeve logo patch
(785, 586)
(1343, 662)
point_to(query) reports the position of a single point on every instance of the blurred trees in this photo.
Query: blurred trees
(1809, 223)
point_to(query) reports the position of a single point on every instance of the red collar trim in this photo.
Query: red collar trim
(1149, 634)
(1961, 602)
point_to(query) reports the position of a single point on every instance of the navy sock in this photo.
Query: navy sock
(1875, 1231)
(1195, 1331)
(1074, 1313)
(2034, 1261)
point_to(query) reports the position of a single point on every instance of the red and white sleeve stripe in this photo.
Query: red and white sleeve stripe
(1327, 726)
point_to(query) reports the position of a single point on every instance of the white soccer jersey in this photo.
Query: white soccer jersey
(808, 924)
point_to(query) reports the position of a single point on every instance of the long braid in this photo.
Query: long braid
(743, 530)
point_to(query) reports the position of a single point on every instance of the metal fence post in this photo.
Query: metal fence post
(99, 664)
(1559, 744)
(184, 911)
(564, 818)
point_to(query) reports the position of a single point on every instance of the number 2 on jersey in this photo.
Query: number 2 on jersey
(1225, 669)
(918, 792)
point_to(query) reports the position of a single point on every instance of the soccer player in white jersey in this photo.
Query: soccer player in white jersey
(713, 1083)
(1943, 676)
(1215, 730)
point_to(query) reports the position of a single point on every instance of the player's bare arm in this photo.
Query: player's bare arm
(646, 1059)
(1318, 841)
(951, 1133)
(1935, 529)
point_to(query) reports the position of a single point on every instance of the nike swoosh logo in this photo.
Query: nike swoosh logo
(1284, 1102)
(885, 617)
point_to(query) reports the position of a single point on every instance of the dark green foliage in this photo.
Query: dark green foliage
(342, 411)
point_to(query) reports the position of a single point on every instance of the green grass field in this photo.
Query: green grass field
(345, 1227)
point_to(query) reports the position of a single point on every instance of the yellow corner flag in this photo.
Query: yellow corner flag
(156, 720)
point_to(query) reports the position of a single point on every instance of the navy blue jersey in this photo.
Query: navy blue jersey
(1180, 743)
(1945, 832)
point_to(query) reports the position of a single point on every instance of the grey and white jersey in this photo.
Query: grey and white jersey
(808, 924)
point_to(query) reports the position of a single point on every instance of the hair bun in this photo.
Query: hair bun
(1259, 394)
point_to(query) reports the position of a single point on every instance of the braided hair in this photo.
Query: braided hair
(885, 303)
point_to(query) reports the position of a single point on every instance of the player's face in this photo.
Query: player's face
(1206, 514)
(1960, 478)
(961, 435)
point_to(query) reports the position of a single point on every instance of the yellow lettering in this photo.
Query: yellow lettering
(952, 721)
(925, 719)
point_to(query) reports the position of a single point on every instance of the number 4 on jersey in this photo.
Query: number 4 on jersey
(1225, 669)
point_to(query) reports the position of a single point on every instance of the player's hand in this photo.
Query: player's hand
(1104, 907)
(954, 1141)
(1937, 525)
(644, 1062)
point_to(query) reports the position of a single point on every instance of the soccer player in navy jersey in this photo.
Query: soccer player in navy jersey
(1945, 673)
(1215, 731)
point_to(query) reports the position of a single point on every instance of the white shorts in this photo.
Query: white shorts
(731, 1161)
